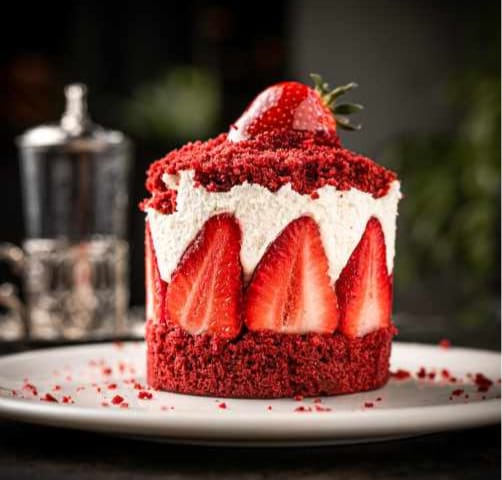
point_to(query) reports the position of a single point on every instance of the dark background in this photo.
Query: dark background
(429, 76)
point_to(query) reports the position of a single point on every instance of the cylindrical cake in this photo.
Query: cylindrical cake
(269, 257)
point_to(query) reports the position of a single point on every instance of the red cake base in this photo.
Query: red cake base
(266, 365)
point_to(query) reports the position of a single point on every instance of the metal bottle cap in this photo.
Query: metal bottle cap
(76, 131)
(75, 120)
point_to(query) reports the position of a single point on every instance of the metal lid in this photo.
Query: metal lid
(76, 131)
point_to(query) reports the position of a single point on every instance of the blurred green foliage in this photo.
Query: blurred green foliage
(450, 217)
(183, 104)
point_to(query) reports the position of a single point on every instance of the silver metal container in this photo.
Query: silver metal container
(74, 259)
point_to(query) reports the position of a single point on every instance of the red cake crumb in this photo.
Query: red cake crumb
(421, 373)
(318, 408)
(483, 383)
(269, 407)
(266, 364)
(431, 375)
(303, 408)
(49, 398)
(138, 386)
(143, 395)
(222, 405)
(306, 160)
(457, 392)
(31, 388)
(112, 386)
(445, 373)
(298, 398)
(67, 399)
(124, 405)
(379, 399)
(56, 388)
(369, 404)
(107, 371)
(400, 374)
(117, 400)
(444, 343)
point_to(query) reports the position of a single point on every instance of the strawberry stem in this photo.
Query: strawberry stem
(329, 97)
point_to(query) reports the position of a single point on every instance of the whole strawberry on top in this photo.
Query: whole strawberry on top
(296, 106)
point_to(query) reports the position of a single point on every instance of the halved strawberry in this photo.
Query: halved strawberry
(364, 288)
(294, 106)
(205, 292)
(155, 286)
(290, 291)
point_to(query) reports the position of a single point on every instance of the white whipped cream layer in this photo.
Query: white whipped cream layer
(341, 215)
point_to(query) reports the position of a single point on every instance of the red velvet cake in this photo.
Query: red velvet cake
(269, 256)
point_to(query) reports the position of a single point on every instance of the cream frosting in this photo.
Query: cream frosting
(341, 215)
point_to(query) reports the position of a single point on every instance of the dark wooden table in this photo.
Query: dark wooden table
(31, 452)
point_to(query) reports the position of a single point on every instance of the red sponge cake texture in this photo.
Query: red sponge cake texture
(266, 364)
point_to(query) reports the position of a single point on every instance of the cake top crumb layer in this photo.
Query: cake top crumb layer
(306, 160)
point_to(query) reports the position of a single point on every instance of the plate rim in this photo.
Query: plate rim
(330, 426)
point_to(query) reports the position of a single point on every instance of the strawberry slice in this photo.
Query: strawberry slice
(364, 288)
(290, 291)
(295, 106)
(155, 286)
(205, 292)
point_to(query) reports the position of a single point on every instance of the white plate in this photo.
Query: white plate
(404, 407)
